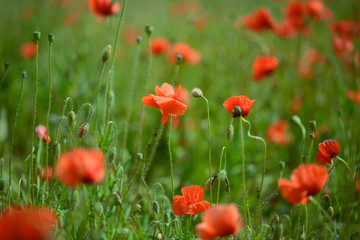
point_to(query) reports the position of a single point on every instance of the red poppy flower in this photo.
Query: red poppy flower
(354, 96)
(345, 29)
(296, 104)
(307, 180)
(286, 29)
(167, 100)
(159, 46)
(258, 21)
(342, 45)
(28, 50)
(49, 171)
(191, 203)
(40, 131)
(46, 138)
(318, 11)
(276, 133)
(27, 224)
(103, 7)
(189, 55)
(81, 166)
(263, 66)
(305, 70)
(328, 149)
(130, 35)
(313, 56)
(241, 101)
(295, 12)
(220, 221)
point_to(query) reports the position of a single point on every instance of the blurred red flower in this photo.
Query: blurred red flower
(49, 171)
(81, 166)
(345, 29)
(130, 35)
(103, 7)
(191, 203)
(167, 100)
(342, 45)
(327, 150)
(258, 21)
(296, 104)
(159, 46)
(28, 50)
(313, 56)
(263, 66)
(318, 11)
(220, 221)
(276, 133)
(354, 96)
(27, 224)
(286, 29)
(40, 131)
(307, 180)
(45, 138)
(189, 55)
(243, 102)
(295, 12)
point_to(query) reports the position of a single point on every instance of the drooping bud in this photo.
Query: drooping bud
(148, 30)
(296, 119)
(112, 154)
(179, 58)
(330, 211)
(137, 208)
(156, 207)
(23, 74)
(230, 132)
(37, 36)
(71, 119)
(117, 198)
(51, 37)
(196, 93)
(46, 139)
(106, 54)
(6, 65)
(138, 39)
(236, 112)
(84, 129)
(282, 165)
(312, 125)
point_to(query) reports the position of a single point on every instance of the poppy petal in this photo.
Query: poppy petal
(149, 101)
(320, 158)
(329, 148)
(170, 105)
(205, 232)
(193, 194)
(166, 90)
(196, 208)
(292, 192)
(178, 203)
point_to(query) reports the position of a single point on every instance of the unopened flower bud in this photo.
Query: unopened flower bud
(2, 185)
(156, 207)
(23, 74)
(230, 132)
(84, 129)
(282, 165)
(179, 58)
(159, 236)
(106, 53)
(138, 39)
(40, 131)
(117, 198)
(148, 30)
(137, 208)
(51, 37)
(46, 138)
(112, 154)
(236, 112)
(312, 135)
(196, 93)
(71, 119)
(6, 65)
(330, 211)
(37, 36)
(312, 125)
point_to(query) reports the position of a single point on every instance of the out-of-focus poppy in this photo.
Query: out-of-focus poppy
(313, 56)
(49, 173)
(263, 66)
(342, 45)
(345, 29)
(167, 100)
(305, 70)
(243, 102)
(27, 224)
(200, 22)
(40, 131)
(317, 10)
(296, 104)
(28, 50)
(46, 138)
(276, 133)
(354, 96)
(27, 12)
(286, 29)
(220, 221)
(189, 55)
(130, 35)
(307, 180)
(159, 46)
(179, 9)
(258, 21)
(103, 7)
(327, 151)
(71, 18)
(191, 203)
(81, 166)
(295, 12)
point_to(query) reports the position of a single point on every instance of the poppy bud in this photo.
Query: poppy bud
(46, 138)
(6, 65)
(296, 119)
(137, 208)
(196, 93)
(179, 58)
(111, 98)
(168, 216)
(106, 53)
(148, 30)
(230, 132)
(71, 119)
(227, 185)
(23, 74)
(112, 154)
(138, 39)
(2, 185)
(84, 129)
(236, 112)
(37, 36)
(312, 136)
(51, 37)
(156, 206)
(282, 165)
(117, 198)
(213, 179)
(74, 199)
(159, 236)
(312, 125)
(330, 211)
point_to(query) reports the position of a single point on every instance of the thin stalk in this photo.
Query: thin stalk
(176, 74)
(98, 81)
(306, 220)
(14, 126)
(108, 89)
(219, 178)
(47, 116)
(311, 149)
(33, 122)
(153, 149)
(209, 143)
(170, 157)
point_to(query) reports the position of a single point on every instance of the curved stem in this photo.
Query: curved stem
(219, 178)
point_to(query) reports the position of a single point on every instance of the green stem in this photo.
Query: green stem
(98, 81)
(209, 143)
(170, 157)
(219, 178)
(176, 74)
(345, 163)
(306, 220)
(311, 149)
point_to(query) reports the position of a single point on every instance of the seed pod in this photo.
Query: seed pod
(71, 119)
(23, 74)
(106, 53)
(138, 39)
(196, 93)
(37, 36)
(330, 211)
(230, 132)
(179, 58)
(51, 37)
(148, 30)
(282, 165)
(237, 112)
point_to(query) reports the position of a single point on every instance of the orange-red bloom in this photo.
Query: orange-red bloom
(354, 96)
(81, 166)
(220, 221)
(263, 66)
(276, 133)
(49, 173)
(314, 56)
(191, 203)
(286, 29)
(327, 150)
(159, 46)
(243, 102)
(259, 21)
(345, 29)
(28, 50)
(307, 180)
(295, 12)
(318, 11)
(103, 7)
(167, 100)
(189, 55)
(27, 224)
(342, 45)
